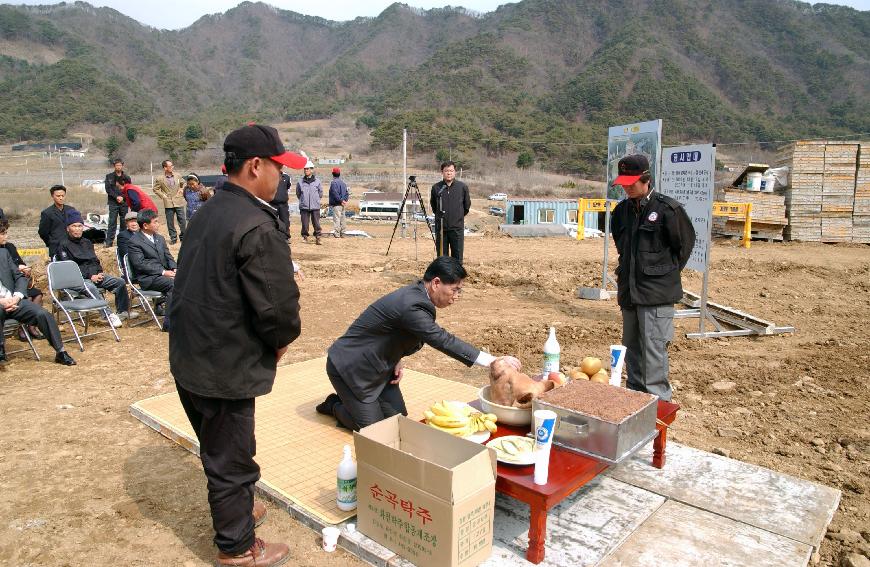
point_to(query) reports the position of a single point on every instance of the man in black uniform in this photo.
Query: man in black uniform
(115, 179)
(654, 237)
(234, 312)
(281, 201)
(451, 201)
(52, 220)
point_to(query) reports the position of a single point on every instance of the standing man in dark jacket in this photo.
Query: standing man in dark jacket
(52, 221)
(236, 307)
(115, 181)
(451, 202)
(365, 364)
(152, 264)
(281, 202)
(338, 197)
(654, 238)
(309, 190)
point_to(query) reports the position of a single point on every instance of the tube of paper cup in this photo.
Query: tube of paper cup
(545, 423)
(617, 361)
(330, 538)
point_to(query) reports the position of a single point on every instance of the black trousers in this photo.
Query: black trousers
(116, 211)
(225, 429)
(314, 218)
(30, 313)
(354, 414)
(454, 242)
(173, 213)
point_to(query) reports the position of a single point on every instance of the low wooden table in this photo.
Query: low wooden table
(569, 471)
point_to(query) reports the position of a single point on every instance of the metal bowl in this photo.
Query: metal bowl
(506, 414)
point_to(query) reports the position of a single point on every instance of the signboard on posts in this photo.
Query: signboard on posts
(687, 176)
(630, 139)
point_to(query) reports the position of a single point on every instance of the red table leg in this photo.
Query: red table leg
(537, 533)
(659, 444)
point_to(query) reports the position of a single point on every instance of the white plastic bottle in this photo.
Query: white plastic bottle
(551, 354)
(346, 499)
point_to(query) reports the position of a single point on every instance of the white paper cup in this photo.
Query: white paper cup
(545, 424)
(330, 538)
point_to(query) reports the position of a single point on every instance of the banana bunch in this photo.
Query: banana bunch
(458, 419)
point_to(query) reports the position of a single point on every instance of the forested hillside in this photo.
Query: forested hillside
(539, 77)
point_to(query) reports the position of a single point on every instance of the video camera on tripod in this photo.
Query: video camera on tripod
(412, 184)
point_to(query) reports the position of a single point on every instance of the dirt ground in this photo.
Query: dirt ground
(84, 483)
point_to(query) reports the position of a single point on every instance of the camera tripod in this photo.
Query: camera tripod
(412, 184)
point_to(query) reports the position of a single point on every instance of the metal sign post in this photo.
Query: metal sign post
(687, 176)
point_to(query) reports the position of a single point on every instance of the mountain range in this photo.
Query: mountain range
(541, 77)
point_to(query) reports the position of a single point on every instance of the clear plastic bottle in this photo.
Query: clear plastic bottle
(551, 354)
(346, 499)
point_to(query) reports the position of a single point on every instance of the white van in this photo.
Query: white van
(498, 197)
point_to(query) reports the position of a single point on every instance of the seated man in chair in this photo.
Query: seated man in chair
(80, 250)
(152, 264)
(13, 288)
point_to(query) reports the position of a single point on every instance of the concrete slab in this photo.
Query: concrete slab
(779, 503)
(677, 535)
(580, 531)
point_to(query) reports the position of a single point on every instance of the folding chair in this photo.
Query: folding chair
(10, 330)
(65, 275)
(143, 296)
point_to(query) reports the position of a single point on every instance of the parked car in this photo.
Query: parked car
(418, 216)
(498, 197)
(498, 211)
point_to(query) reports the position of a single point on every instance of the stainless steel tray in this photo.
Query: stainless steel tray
(602, 440)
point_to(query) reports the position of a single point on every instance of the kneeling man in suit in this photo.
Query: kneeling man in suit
(365, 364)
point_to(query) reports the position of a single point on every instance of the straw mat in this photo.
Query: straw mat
(298, 450)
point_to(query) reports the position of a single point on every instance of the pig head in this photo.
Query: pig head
(510, 387)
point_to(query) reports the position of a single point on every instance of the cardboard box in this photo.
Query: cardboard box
(425, 494)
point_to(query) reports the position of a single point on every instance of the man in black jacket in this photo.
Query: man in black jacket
(654, 238)
(115, 180)
(52, 220)
(80, 250)
(235, 311)
(152, 264)
(281, 201)
(365, 364)
(13, 289)
(131, 220)
(451, 201)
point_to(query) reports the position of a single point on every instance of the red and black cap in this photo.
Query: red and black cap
(630, 169)
(256, 140)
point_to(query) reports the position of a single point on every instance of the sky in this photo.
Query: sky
(175, 14)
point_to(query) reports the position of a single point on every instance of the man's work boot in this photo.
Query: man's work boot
(259, 513)
(317, 241)
(261, 554)
(304, 239)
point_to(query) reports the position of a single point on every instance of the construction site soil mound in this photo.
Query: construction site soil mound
(83, 482)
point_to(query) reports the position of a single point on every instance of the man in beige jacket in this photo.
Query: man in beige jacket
(170, 188)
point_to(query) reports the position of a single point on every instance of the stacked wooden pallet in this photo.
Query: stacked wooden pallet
(823, 194)
(838, 193)
(803, 196)
(861, 212)
(768, 214)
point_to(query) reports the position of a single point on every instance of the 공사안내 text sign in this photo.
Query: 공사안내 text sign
(687, 175)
